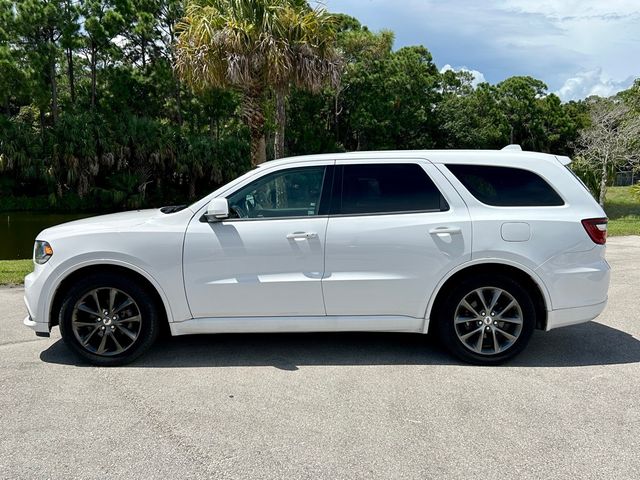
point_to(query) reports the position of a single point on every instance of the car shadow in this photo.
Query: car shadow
(581, 345)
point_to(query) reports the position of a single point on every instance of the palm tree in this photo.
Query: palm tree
(257, 46)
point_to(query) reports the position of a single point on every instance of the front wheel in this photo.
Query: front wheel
(108, 319)
(486, 320)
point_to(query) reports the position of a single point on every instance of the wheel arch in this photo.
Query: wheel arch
(66, 280)
(527, 277)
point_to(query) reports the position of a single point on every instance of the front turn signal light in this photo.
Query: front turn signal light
(42, 252)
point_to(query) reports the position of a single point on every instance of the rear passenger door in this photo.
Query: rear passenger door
(396, 228)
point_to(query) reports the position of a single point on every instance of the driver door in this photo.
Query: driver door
(267, 259)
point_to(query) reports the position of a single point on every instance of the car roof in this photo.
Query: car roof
(479, 157)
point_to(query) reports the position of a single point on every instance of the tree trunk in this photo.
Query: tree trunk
(178, 101)
(72, 81)
(192, 187)
(54, 92)
(281, 120)
(253, 115)
(93, 75)
(603, 182)
(258, 147)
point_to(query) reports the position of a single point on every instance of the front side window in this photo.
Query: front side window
(287, 193)
(506, 186)
(388, 188)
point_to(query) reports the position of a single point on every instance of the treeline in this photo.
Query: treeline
(93, 114)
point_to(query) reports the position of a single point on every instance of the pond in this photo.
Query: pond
(18, 230)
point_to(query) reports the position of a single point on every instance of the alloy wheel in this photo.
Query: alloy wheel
(106, 321)
(488, 320)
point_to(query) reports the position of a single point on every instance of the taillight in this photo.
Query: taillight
(597, 229)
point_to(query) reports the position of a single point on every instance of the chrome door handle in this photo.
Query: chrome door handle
(450, 230)
(301, 235)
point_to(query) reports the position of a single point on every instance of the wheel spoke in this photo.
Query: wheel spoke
(85, 340)
(480, 295)
(497, 293)
(460, 320)
(94, 294)
(467, 335)
(112, 299)
(118, 346)
(496, 347)
(480, 341)
(127, 332)
(83, 308)
(103, 343)
(512, 303)
(86, 324)
(468, 306)
(517, 321)
(134, 319)
(123, 305)
(506, 335)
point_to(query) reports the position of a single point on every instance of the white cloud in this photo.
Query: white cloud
(566, 9)
(547, 39)
(591, 82)
(478, 77)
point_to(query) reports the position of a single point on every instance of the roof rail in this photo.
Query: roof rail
(513, 146)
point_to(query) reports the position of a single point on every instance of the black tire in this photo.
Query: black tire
(145, 329)
(450, 333)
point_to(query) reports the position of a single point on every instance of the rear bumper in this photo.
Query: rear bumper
(572, 316)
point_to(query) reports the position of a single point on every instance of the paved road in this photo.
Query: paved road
(330, 406)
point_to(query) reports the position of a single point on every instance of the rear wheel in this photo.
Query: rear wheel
(487, 320)
(108, 319)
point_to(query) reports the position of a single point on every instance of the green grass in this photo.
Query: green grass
(623, 210)
(12, 272)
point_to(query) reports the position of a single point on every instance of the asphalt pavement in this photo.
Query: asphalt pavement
(330, 406)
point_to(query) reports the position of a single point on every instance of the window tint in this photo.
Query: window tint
(383, 188)
(286, 193)
(506, 187)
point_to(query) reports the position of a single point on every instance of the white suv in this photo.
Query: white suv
(481, 247)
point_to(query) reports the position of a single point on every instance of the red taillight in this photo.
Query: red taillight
(597, 229)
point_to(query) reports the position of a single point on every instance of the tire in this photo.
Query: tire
(91, 311)
(500, 334)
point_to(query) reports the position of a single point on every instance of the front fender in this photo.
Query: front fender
(41, 290)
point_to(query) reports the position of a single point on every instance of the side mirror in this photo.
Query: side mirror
(217, 210)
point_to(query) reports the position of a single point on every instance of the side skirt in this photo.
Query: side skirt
(381, 323)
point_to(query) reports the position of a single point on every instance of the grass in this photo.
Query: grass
(621, 206)
(12, 272)
(623, 210)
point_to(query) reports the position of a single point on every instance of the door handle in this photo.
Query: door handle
(450, 230)
(301, 235)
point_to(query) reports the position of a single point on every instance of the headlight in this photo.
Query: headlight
(42, 252)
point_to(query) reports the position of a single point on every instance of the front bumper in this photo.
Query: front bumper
(32, 289)
(41, 329)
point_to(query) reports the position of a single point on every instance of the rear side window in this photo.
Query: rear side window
(388, 188)
(505, 186)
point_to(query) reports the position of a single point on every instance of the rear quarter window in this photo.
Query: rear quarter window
(506, 186)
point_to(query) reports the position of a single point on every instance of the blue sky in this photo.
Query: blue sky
(577, 47)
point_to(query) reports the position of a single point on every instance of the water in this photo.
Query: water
(18, 230)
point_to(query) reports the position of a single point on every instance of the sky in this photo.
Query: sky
(577, 47)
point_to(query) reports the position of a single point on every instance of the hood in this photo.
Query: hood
(113, 223)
